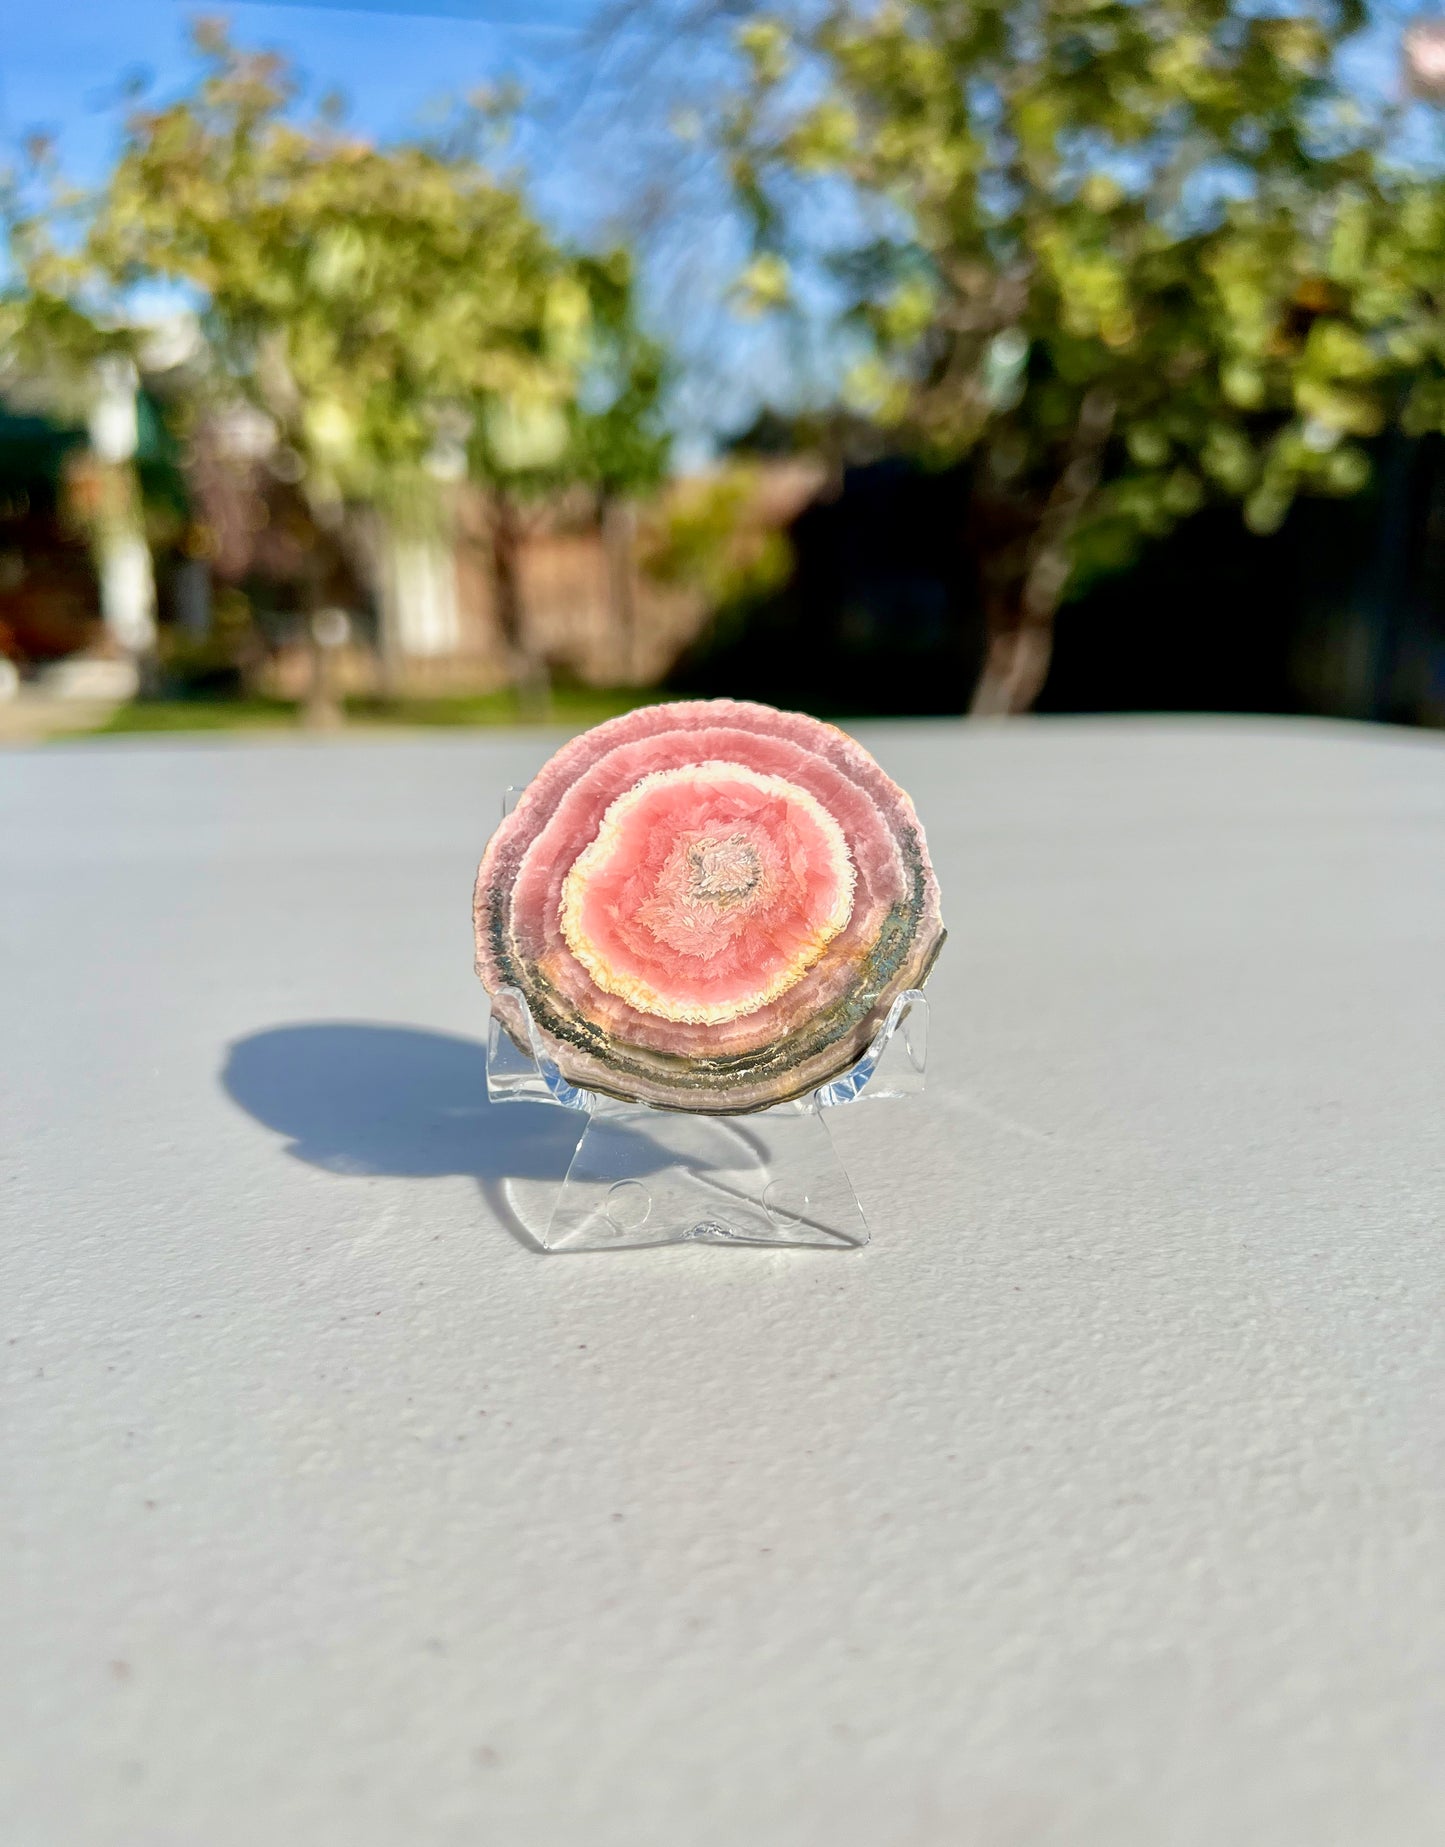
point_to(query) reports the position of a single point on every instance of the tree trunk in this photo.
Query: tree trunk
(529, 671)
(1021, 614)
(322, 710)
(124, 566)
(1015, 664)
(127, 590)
(382, 573)
(618, 520)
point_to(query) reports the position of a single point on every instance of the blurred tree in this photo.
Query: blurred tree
(1119, 257)
(607, 437)
(618, 444)
(713, 536)
(64, 349)
(364, 299)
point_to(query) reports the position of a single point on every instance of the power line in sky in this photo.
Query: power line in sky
(484, 12)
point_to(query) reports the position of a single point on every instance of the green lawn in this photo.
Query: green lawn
(569, 705)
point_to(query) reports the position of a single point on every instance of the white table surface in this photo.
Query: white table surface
(1101, 1500)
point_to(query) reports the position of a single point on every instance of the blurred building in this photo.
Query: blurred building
(49, 602)
(781, 575)
(235, 559)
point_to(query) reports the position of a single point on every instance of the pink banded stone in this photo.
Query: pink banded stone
(707, 892)
(707, 906)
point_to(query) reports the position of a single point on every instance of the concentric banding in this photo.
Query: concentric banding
(707, 893)
(707, 905)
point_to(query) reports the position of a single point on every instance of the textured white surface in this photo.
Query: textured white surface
(1101, 1500)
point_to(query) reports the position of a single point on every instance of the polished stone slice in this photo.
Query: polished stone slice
(707, 905)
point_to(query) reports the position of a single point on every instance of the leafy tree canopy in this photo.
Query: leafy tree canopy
(1120, 254)
(364, 296)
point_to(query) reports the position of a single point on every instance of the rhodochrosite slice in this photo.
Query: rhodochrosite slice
(707, 906)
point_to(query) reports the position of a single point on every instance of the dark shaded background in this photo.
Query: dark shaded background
(1341, 612)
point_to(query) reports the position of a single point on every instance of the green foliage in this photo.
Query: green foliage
(618, 442)
(607, 432)
(1123, 256)
(366, 298)
(709, 539)
(397, 312)
(58, 322)
(577, 707)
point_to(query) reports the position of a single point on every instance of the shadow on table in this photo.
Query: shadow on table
(394, 1100)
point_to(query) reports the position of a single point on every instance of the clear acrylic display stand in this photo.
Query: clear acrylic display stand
(642, 1175)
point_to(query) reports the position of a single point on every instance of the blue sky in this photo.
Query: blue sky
(63, 66)
(63, 63)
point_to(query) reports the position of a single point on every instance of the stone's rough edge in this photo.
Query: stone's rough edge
(590, 1069)
(879, 853)
(550, 786)
(591, 1058)
(595, 1058)
(502, 961)
(520, 1039)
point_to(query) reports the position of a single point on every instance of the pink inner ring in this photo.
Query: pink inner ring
(707, 892)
